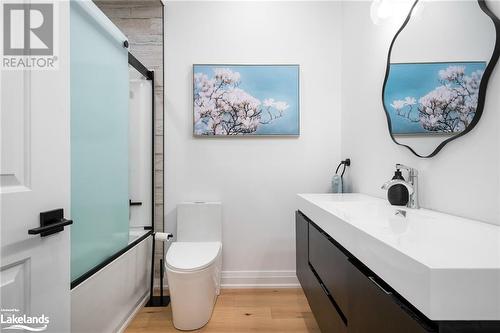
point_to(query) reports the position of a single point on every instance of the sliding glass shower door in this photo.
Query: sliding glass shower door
(99, 138)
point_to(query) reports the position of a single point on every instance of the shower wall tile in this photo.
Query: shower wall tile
(138, 26)
(146, 12)
(158, 144)
(158, 162)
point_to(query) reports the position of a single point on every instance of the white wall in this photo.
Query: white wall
(463, 179)
(255, 178)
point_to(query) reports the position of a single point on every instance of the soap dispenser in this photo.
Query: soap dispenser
(398, 194)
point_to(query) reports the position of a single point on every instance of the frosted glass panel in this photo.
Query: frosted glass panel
(99, 140)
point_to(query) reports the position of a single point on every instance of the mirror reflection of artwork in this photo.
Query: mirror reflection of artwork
(437, 73)
(246, 100)
(432, 98)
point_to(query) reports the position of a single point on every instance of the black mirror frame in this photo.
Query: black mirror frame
(482, 87)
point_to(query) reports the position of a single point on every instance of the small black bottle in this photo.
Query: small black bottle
(398, 194)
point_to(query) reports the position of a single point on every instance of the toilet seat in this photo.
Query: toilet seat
(192, 256)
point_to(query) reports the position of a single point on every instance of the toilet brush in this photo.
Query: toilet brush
(156, 301)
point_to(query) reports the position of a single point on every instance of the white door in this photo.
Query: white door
(35, 177)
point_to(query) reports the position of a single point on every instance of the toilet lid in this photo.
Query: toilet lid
(190, 256)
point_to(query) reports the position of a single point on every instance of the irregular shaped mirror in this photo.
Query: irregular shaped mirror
(438, 67)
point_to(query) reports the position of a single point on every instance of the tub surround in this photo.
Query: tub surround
(447, 267)
(108, 300)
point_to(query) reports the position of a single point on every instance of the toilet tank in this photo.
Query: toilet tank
(199, 222)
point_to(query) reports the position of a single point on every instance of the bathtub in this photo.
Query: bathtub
(108, 299)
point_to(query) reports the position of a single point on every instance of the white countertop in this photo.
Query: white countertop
(448, 267)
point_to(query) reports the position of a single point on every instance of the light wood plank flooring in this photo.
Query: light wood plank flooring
(240, 311)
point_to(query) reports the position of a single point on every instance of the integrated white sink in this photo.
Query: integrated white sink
(446, 266)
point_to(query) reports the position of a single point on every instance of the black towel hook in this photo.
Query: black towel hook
(345, 163)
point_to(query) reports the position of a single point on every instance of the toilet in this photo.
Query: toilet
(193, 264)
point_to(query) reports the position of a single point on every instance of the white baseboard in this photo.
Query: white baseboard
(259, 279)
(252, 279)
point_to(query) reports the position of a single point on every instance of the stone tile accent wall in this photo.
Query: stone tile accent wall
(142, 23)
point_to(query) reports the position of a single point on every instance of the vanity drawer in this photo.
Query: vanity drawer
(327, 317)
(373, 308)
(332, 267)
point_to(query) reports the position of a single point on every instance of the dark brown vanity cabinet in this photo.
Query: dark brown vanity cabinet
(302, 251)
(343, 295)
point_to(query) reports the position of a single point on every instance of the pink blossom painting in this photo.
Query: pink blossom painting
(246, 100)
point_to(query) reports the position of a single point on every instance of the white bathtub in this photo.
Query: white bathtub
(107, 300)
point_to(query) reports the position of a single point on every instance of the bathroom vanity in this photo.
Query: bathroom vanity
(366, 266)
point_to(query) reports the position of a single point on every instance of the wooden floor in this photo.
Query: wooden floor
(241, 310)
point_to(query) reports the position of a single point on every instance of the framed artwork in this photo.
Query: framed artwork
(432, 98)
(246, 100)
